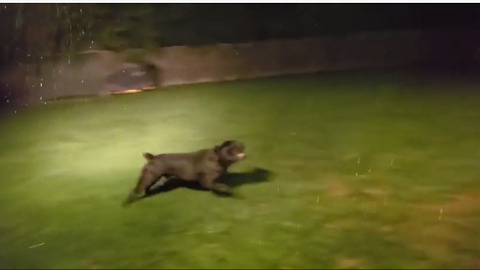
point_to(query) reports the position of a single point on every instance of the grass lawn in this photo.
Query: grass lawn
(367, 171)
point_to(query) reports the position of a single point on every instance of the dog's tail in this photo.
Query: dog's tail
(148, 156)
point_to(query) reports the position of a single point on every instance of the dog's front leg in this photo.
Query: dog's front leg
(208, 182)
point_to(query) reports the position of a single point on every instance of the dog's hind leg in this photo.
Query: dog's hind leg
(145, 180)
(161, 181)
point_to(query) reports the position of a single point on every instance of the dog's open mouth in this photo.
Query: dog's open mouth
(240, 155)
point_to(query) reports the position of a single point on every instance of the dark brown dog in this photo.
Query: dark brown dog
(205, 166)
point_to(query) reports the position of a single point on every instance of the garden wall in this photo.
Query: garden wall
(103, 72)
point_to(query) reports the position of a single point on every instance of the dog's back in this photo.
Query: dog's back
(185, 166)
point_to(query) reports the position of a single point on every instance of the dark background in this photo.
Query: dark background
(33, 32)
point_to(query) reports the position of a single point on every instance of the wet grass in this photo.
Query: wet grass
(364, 171)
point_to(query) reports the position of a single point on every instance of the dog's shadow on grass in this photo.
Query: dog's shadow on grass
(233, 180)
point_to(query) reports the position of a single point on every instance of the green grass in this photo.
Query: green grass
(368, 171)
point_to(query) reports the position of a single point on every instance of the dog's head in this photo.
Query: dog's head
(230, 152)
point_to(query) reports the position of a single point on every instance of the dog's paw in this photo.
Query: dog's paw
(132, 197)
(126, 203)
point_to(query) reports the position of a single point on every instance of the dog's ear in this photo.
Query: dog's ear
(227, 143)
(148, 156)
(224, 144)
